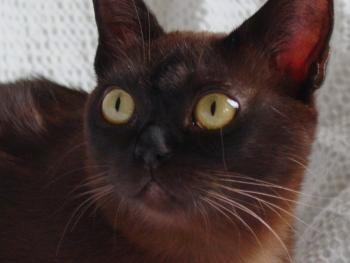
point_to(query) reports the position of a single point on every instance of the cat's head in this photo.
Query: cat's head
(189, 131)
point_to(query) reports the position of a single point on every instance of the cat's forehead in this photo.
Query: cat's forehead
(181, 55)
(184, 46)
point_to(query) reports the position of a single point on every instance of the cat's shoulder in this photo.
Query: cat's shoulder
(31, 111)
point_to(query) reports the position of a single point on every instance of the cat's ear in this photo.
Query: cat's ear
(123, 24)
(294, 34)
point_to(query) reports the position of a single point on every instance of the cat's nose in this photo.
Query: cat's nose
(152, 147)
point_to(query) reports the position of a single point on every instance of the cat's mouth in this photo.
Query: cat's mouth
(155, 196)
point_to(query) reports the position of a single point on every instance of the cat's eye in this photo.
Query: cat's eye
(215, 111)
(118, 106)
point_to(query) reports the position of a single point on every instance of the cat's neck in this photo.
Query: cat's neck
(205, 244)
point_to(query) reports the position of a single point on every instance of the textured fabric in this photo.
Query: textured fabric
(57, 39)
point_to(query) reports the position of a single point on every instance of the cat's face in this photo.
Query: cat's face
(191, 128)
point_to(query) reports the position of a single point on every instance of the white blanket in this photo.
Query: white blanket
(57, 39)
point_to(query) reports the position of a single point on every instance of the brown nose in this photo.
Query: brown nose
(152, 147)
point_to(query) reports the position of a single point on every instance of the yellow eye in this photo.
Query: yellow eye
(118, 107)
(215, 111)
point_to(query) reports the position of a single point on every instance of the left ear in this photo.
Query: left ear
(295, 34)
(123, 24)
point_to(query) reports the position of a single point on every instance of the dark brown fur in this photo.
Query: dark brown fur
(58, 156)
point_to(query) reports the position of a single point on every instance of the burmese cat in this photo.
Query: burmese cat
(191, 149)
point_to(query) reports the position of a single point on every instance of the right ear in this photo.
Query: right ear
(123, 24)
(294, 35)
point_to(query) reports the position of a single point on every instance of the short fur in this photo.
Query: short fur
(160, 189)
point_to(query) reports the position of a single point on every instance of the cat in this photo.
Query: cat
(192, 147)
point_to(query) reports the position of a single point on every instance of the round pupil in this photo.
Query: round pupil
(213, 108)
(118, 103)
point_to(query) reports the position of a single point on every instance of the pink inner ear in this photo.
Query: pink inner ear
(309, 31)
(298, 55)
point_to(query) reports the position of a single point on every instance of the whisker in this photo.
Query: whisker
(304, 166)
(230, 178)
(282, 198)
(53, 167)
(89, 202)
(204, 215)
(86, 182)
(267, 185)
(269, 204)
(254, 215)
(69, 197)
(91, 191)
(95, 198)
(266, 203)
(220, 209)
(56, 179)
(118, 209)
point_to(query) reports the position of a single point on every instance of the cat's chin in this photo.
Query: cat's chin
(150, 200)
(155, 197)
(158, 204)
(151, 206)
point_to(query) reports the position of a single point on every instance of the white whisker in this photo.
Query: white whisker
(254, 215)
(93, 196)
(220, 208)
